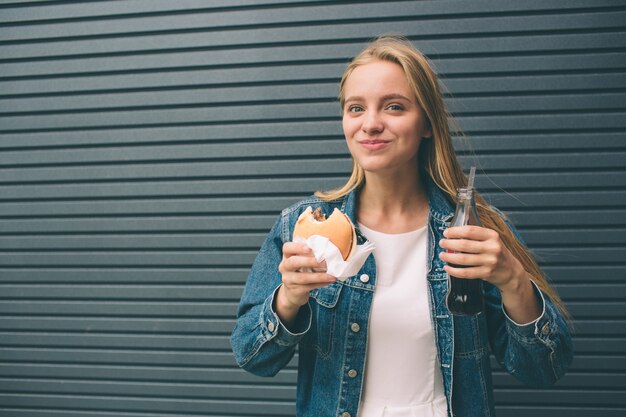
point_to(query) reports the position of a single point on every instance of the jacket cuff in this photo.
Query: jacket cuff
(539, 328)
(273, 328)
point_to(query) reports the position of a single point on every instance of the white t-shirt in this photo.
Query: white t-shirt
(402, 376)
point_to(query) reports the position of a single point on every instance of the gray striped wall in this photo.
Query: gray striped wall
(147, 146)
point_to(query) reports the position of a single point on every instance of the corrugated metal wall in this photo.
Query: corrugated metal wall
(147, 146)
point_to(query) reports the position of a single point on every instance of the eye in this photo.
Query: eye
(395, 107)
(355, 109)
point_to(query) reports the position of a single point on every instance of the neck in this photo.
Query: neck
(394, 202)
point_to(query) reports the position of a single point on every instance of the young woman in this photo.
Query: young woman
(383, 343)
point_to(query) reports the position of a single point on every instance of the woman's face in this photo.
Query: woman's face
(382, 121)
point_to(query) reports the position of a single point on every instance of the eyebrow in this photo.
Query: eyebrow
(384, 98)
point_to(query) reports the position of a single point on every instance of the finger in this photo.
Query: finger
(465, 259)
(296, 248)
(465, 273)
(304, 289)
(470, 232)
(463, 245)
(307, 278)
(296, 262)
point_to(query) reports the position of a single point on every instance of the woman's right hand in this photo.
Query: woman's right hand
(298, 259)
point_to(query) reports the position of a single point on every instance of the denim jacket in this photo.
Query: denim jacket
(331, 330)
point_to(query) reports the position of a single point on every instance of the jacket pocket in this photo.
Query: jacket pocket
(470, 336)
(325, 313)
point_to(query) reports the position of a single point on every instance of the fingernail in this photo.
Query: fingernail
(445, 233)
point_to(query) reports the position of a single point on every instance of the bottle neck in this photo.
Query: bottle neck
(465, 194)
(465, 212)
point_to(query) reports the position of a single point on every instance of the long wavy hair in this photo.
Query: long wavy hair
(437, 158)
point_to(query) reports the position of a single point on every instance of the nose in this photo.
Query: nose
(372, 123)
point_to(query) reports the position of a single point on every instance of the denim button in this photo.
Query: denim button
(545, 329)
(355, 327)
(364, 278)
(270, 326)
(352, 373)
(345, 414)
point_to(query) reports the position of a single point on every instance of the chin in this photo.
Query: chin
(386, 166)
(374, 167)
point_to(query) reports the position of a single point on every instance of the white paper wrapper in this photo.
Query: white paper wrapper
(324, 250)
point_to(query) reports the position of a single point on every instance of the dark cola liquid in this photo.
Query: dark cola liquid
(465, 296)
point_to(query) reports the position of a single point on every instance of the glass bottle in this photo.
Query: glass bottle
(465, 296)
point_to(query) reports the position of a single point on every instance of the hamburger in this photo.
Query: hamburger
(338, 228)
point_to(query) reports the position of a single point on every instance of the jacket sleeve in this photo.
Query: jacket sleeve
(536, 353)
(261, 343)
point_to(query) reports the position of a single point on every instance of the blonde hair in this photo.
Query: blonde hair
(436, 155)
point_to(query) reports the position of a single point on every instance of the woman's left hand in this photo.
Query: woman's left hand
(483, 255)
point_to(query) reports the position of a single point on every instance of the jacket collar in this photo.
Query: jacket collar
(440, 207)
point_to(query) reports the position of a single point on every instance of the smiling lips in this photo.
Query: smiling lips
(374, 144)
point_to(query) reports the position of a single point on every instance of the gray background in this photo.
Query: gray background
(147, 146)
